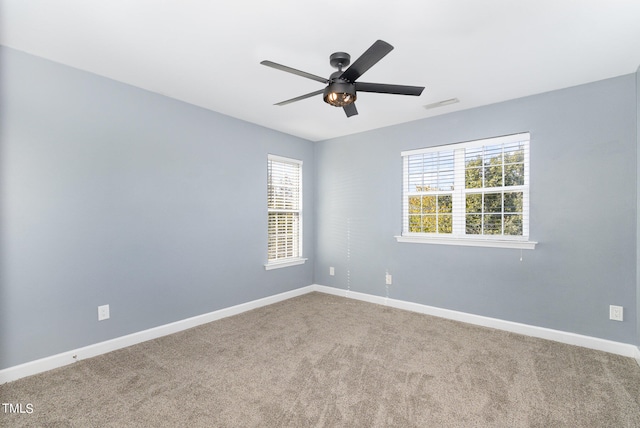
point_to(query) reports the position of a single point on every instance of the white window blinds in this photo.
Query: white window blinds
(471, 190)
(284, 206)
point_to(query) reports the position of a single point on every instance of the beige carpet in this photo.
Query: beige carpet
(326, 361)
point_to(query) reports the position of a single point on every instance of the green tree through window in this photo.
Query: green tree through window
(490, 171)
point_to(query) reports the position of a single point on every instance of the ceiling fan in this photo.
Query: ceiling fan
(342, 88)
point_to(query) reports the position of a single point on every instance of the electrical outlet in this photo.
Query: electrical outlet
(388, 279)
(615, 313)
(103, 312)
(332, 271)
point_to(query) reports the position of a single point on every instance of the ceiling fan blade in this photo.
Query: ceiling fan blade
(294, 71)
(350, 109)
(375, 53)
(382, 88)
(301, 97)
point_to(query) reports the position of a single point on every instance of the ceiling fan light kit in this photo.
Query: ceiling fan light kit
(341, 89)
(340, 94)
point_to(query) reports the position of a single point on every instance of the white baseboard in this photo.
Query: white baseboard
(69, 357)
(612, 347)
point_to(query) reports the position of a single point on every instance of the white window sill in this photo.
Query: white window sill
(284, 263)
(469, 242)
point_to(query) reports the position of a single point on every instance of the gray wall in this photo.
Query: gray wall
(114, 195)
(638, 200)
(583, 214)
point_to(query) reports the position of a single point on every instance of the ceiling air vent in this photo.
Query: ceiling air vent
(442, 103)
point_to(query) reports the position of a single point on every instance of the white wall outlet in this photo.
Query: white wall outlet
(388, 279)
(332, 271)
(103, 312)
(615, 313)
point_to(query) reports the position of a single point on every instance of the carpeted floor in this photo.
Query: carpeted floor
(325, 361)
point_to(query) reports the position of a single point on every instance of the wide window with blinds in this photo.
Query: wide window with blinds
(472, 193)
(284, 207)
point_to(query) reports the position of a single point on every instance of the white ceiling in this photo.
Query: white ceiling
(208, 53)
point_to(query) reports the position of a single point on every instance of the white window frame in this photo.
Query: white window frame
(458, 235)
(297, 258)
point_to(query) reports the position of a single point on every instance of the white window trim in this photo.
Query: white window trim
(468, 242)
(282, 263)
(298, 260)
(458, 238)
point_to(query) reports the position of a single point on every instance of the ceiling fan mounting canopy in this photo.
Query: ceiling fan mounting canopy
(342, 88)
(340, 60)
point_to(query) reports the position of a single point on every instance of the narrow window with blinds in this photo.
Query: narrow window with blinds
(284, 207)
(473, 193)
